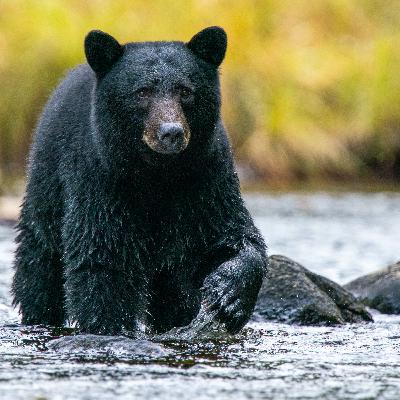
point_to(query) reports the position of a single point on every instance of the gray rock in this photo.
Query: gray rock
(379, 290)
(292, 294)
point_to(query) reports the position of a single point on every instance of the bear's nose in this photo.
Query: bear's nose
(170, 134)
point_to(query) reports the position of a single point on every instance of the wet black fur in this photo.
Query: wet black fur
(112, 234)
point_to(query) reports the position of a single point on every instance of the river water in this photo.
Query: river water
(340, 236)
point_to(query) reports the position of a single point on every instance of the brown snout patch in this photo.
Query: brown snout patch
(166, 113)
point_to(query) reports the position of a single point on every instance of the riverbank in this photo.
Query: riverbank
(9, 208)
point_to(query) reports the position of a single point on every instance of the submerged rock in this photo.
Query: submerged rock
(112, 345)
(292, 294)
(379, 290)
(203, 327)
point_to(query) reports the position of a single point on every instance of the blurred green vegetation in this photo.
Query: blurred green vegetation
(311, 88)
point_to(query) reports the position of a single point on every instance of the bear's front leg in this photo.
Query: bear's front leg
(105, 283)
(232, 289)
(103, 301)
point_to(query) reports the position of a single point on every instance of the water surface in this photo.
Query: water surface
(339, 236)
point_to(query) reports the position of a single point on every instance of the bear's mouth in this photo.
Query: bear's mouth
(160, 160)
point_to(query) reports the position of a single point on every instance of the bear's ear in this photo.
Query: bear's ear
(209, 44)
(102, 51)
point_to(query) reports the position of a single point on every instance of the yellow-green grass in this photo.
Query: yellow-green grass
(311, 88)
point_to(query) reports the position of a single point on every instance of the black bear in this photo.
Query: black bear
(133, 216)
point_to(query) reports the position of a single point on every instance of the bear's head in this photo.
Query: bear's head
(154, 101)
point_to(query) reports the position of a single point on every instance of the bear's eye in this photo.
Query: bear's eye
(185, 93)
(143, 92)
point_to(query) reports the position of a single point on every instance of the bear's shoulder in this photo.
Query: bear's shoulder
(77, 81)
(67, 112)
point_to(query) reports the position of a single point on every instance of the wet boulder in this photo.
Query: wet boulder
(379, 290)
(292, 294)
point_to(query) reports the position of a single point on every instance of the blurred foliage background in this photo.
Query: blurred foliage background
(311, 88)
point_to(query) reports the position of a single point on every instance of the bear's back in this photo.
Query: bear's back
(66, 116)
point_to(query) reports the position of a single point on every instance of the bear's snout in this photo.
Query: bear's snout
(166, 130)
(171, 135)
